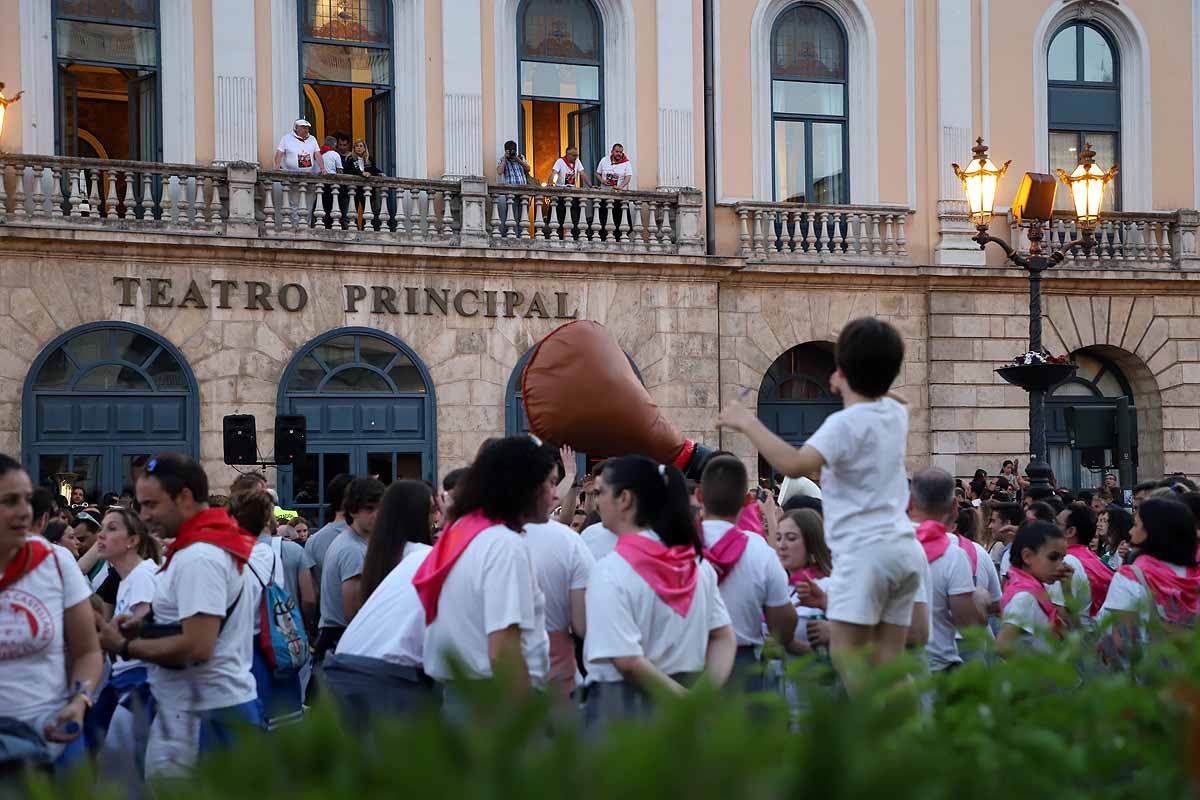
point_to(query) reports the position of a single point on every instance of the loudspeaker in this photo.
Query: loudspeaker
(241, 442)
(1092, 427)
(291, 438)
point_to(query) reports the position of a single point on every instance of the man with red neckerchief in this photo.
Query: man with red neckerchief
(199, 647)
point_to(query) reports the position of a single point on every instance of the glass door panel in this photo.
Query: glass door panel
(409, 467)
(381, 466)
(311, 475)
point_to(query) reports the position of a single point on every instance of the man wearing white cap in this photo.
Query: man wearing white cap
(298, 151)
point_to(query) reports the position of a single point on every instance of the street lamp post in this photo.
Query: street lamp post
(1087, 183)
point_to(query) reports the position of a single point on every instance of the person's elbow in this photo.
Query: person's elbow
(781, 621)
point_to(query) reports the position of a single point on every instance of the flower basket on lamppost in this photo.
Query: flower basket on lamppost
(1036, 371)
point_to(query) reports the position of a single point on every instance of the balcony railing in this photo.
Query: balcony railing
(126, 195)
(806, 234)
(589, 219)
(350, 208)
(1124, 240)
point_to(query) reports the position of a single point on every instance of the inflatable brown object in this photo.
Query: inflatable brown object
(579, 389)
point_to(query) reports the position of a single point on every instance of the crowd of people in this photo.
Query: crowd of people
(150, 628)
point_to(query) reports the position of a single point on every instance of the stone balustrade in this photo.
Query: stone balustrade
(125, 195)
(809, 234)
(1124, 240)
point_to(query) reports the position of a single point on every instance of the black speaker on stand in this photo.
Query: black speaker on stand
(240, 439)
(291, 438)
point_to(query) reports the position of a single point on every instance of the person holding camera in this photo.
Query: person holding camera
(197, 640)
(511, 170)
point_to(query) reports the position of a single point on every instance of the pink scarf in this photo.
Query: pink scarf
(1021, 581)
(933, 538)
(750, 519)
(670, 571)
(807, 574)
(1098, 574)
(972, 554)
(1178, 597)
(431, 575)
(725, 553)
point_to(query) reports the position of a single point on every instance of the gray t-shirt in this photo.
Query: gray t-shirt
(318, 544)
(295, 558)
(343, 561)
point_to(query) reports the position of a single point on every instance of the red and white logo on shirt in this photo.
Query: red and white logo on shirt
(26, 625)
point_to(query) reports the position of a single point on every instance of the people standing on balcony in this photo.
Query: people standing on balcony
(332, 161)
(298, 151)
(568, 174)
(615, 171)
(511, 170)
(358, 162)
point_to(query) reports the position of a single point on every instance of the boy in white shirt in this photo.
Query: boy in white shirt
(859, 454)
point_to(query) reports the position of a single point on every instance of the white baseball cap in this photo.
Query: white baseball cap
(302, 121)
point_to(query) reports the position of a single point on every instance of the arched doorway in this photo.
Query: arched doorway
(1098, 381)
(370, 406)
(102, 398)
(794, 397)
(515, 421)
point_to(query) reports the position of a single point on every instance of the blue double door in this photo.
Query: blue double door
(385, 461)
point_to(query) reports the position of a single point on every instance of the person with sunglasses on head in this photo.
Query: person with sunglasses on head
(50, 662)
(198, 640)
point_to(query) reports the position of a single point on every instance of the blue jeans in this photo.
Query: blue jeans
(278, 698)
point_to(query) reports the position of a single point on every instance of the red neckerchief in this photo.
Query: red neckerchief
(621, 159)
(1021, 581)
(431, 575)
(1179, 598)
(670, 571)
(1098, 574)
(27, 559)
(724, 555)
(213, 526)
(968, 547)
(932, 536)
(807, 574)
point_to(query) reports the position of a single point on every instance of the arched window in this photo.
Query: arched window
(1098, 381)
(1084, 102)
(369, 404)
(346, 72)
(809, 100)
(109, 95)
(794, 397)
(101, 399)
(561, 82)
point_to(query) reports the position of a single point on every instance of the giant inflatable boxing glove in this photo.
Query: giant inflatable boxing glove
(579, 389)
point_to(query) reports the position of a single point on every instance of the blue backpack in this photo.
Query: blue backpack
(281, 638)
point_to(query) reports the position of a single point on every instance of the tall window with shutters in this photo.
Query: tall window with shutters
(809, 99)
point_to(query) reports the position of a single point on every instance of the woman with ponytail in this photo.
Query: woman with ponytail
(655, 618)
(1038, 554)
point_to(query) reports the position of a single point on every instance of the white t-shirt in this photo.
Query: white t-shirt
(949, 575)
(136, 587)
(1128, 594)
(626, 618)
(805, 613)
(1024, 612)
(33, 664)
(489, 588)
(567, 173)
(611, 174)
(756, 581)
(986, 576)
(599, 539)
(864, 486)
(333, 161)
(299, 156)
(204, 579)
(391, 624)
(562, 563)
(1081, 588)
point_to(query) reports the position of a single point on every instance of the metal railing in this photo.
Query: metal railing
(808, 234)
(80, 192)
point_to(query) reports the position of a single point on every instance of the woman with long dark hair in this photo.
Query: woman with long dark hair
(1115, 525)
(484, 612)
(1038, 553)
(51, 663)
(655, 618)
(1163, 580)
(378, 665)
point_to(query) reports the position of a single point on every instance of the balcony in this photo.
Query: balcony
(794, 233)
(243, 201)
(1125, 240)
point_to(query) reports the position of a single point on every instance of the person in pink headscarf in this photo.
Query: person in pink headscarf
(655, 618)
(1162, 581)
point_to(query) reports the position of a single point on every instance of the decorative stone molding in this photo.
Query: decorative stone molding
(235, 104)
(37, 78)
(676, 68)
(177, 77)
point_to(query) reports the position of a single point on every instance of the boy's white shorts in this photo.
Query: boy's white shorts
(877, 583)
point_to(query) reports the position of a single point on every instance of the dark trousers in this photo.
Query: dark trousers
(366, 688)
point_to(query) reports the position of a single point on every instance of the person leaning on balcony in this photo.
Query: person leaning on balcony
(298, 151)
(511, 170)
(615, 171)
(358, 162)
(568, 173)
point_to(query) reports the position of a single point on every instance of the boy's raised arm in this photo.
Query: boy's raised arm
(805, 462)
